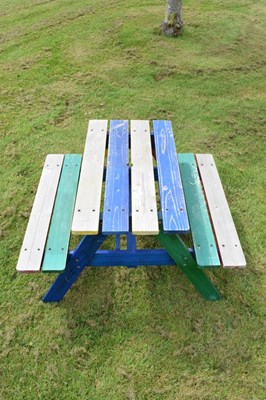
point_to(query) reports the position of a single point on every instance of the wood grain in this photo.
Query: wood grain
(88, 201)
(116, 199)
(56, 249)
(143, 195)
(174, 213)
(31, 254)
(201, 229)
(229, 246)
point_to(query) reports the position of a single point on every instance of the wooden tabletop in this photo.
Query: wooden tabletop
(129, 188)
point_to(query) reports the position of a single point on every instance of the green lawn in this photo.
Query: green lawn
(144, 333)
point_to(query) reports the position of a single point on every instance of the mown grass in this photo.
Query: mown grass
(145, 333)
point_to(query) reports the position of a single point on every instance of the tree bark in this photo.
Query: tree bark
(173, 23)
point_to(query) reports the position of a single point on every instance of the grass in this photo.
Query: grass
(145, 333)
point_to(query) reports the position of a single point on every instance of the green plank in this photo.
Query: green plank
(186, 262)
(201, 229)
(59, 233)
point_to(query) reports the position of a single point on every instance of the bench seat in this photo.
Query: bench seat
(31, 253)
(201, 228)
(228, 242)
(46, 240)
(56, 250)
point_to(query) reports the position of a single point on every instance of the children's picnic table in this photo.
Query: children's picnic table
(130, 181)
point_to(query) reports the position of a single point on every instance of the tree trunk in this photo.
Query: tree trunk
(173, 24)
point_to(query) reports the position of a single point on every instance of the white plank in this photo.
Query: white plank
(32, 249)
(143, 195)
(224, 228)
(88, 200)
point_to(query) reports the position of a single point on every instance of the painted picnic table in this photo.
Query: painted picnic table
(130, 181)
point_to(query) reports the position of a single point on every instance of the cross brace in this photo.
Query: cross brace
(87, 253)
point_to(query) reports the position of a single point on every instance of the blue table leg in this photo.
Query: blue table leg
(78, 260)
(131, 246)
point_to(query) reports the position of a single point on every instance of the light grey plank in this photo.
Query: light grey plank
(224, 228)
(143, 195)
(32, 249)
(88, 200)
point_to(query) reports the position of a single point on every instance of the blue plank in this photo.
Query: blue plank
(174, 212)
(116, 199)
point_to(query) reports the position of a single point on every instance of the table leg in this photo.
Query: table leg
(131, 245)
(188, 265)
(79, 259)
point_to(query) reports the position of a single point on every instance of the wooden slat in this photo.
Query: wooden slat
(143, 195)
(32, 249)
(224, 228)
(56, 249)
(116, 200)
(174, 213)
(201, 229)
(87, 207)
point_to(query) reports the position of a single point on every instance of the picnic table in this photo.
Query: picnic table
(130, 181)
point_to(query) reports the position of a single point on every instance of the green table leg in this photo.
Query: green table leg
(186, 262)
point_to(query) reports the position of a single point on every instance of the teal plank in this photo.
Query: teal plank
(187, 264)
(59, 233)
(201, 229)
